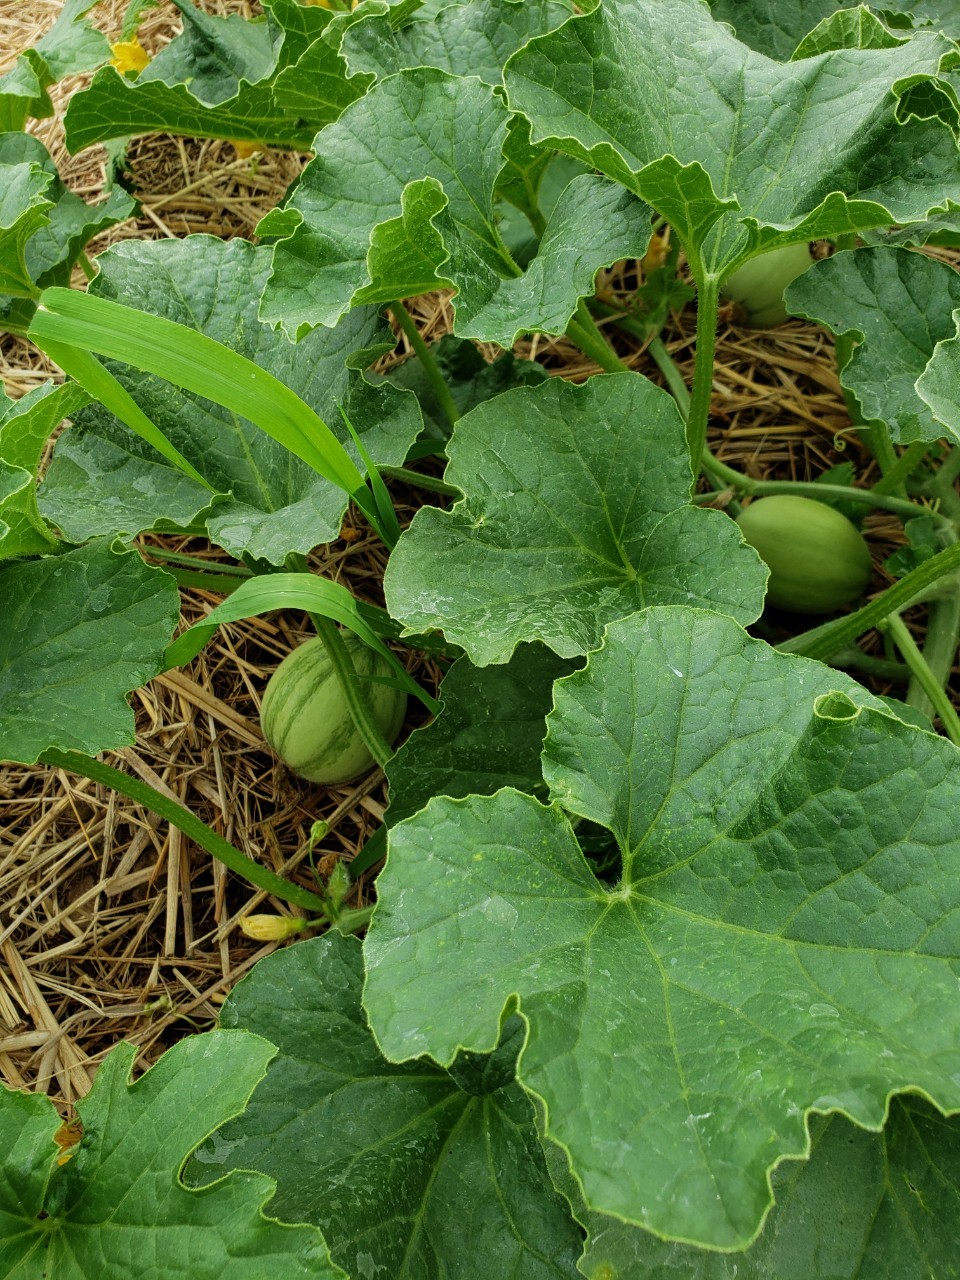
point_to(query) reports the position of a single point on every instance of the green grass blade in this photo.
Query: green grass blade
(388, 516)
(302, 591)
(185, 821)
(103, 386)
(203, 366)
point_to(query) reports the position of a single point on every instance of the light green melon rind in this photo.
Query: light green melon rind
(339, 754)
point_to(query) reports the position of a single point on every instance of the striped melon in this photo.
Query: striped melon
(305, 718)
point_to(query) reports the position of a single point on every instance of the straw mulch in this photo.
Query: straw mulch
(112, 925)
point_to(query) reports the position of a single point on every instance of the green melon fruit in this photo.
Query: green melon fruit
(817, 559)
(306, 720)
(759, 284)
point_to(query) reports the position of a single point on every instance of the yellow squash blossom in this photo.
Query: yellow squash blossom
(245, 150)
(272, 928)
(129, 55)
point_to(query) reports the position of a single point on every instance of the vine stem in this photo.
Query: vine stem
(940, 642)
(185, 821)
(188, 561)
(671, 374)
(884, 668)
(924, 677)
(430, 367)
(809, 488)
(869, 497)
(823, 642)
(875, 497)
(877, 440)
(939, 650)
(583, 331)
(221, 584)
(893, 480)
(356, 700)
(420, 481)
(708, 303)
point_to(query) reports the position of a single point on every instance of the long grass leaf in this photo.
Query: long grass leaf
(203, 366)
(303, 591)
(103, 386)
(385, 509)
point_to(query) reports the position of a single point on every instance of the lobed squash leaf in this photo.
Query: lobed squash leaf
(763, 153)
(784, 937)
(575, 512)
(25, 427)
(777, 28)
(78, 632)
(370, 225)
(488, 734)
(217, 80)
(115, 1206)
(54, 243)
(412, 1172)
(71, 45)
(899, 306)
(866, 1206)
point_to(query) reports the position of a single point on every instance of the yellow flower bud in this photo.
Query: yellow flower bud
(129, 55)
(272, 928)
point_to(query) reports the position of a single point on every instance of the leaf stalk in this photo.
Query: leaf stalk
(426, 357)
(708, 305)
(924, 677)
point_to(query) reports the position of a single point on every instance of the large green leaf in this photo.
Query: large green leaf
(898, 305)
(215, 56)
(774, 27)
(575, 512)
(117, 1208)
(71, 45)
(56, 243)
(866, 1207)
(25, 427)
(412, 1172)
(761, 153)
(785, 936)
(217, 80)
(104, 479)
(374, 224)
(472, 39)
(939, 384)
(777, 27)
(26, 1135)
(24, 209)
(78, 631)
(488, 735)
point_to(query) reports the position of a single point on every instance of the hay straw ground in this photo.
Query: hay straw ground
(112, 925)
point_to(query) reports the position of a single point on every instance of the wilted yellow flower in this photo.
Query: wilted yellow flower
(272, 928)
(657, 253)
(66, 1138)
(246, 149)
(129, 55)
